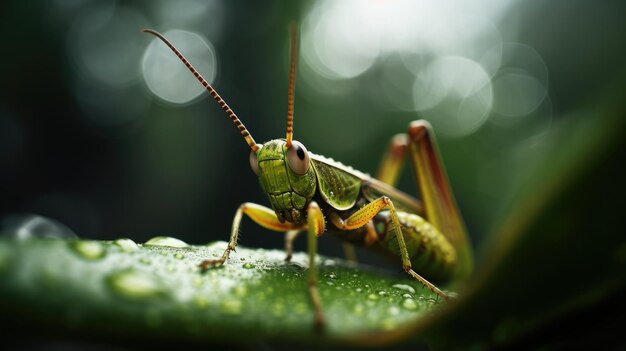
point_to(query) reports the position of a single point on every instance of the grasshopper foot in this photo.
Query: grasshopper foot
(206, 264)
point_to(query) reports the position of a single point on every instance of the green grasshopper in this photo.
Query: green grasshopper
(305, 189)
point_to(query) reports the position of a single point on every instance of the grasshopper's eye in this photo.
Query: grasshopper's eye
(298, 158)
(254, 163)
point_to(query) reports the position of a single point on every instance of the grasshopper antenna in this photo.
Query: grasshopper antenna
(249, 139)
(293, 32)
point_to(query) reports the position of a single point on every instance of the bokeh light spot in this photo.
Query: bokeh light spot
(167, 77)
(339, 43)
(454, 94)
(103, 43)
(517, 94)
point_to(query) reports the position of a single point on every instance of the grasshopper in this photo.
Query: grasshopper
(313, 193)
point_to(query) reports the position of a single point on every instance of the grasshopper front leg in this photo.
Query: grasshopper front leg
(263, 216)
(316, 226)
(266, 218)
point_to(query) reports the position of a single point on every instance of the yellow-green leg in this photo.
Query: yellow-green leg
(316, 227)
(263, 216)
(290, 236)
(364, 216)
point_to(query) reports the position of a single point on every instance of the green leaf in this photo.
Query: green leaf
(156, 289)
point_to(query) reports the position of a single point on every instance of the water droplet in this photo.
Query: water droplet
(231, 306)
(248, 265)
(242, 259)
(329, 263)
(331, 276)
(409, 304)
(33, 226)
(359, 290)
(133, 284)
(145, 260)
(407, 296)
(372, 297)
(127, 245)
(404, 287)
(91, 250)
(166, 241)
(383, 293)
(179, 256)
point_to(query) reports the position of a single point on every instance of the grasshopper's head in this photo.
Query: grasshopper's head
(286, 176)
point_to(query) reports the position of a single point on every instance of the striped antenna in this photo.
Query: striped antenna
(253, 145)
(293, 31)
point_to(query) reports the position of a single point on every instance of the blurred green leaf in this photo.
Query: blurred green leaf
(157, 289)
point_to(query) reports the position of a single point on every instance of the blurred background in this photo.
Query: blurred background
(103, 130)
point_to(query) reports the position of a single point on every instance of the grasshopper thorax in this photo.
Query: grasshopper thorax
(287, 177)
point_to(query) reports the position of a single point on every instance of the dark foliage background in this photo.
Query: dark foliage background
(84, 141)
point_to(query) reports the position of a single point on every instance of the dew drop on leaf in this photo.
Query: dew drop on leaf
(91, 250)
(33, 226)
(127, 245)
(409, 304)
(133, 284)
(166, 241)
(404, 287)
(248, 265)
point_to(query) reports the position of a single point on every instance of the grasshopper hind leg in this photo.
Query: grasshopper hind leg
(439, 205)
